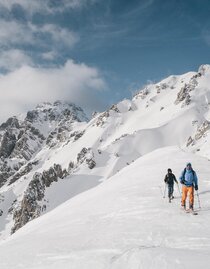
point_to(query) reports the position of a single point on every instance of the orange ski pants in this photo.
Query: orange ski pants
(185, 191)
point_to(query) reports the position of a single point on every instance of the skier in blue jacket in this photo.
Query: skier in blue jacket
(189, 182)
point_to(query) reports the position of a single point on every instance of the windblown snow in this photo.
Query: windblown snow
(89, 194)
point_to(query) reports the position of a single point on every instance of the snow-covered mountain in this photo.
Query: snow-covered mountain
(53, 157)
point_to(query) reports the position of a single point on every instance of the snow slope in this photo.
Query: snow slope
(122, 223)
(80, 175)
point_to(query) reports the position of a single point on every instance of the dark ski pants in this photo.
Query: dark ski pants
(170, 190)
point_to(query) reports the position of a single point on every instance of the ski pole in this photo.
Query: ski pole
(179, 189)
(161, 190)
(164, 192)
(199, 203)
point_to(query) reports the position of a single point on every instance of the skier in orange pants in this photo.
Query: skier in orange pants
(189, 182)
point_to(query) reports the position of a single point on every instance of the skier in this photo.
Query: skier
(189, 182)
(169, 179)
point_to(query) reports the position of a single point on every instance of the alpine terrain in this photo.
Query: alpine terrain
(85, 193)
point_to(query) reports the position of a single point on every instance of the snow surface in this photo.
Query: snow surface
(114, 216)
(122, 223)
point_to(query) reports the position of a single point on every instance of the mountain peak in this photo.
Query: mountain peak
(56, 111)
(204, 68)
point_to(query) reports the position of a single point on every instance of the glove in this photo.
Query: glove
(182, 181)
(196, 187)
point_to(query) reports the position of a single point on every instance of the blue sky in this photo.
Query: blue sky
(95, 52)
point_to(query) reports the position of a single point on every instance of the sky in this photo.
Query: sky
(95, 52)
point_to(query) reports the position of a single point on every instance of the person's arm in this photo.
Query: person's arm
(166, 179)
(181, 178)
(175, 179)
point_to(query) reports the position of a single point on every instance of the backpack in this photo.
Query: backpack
(169, 179)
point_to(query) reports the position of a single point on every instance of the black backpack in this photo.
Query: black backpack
(170, 178)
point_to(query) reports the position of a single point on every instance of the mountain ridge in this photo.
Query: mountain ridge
(58, 143)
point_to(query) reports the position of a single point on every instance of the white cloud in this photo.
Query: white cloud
(49, 37)
(31, 6)
(49, 55)
(13, 59)
(45, 6)
(23, 88)
(59, 35)
(14, 33)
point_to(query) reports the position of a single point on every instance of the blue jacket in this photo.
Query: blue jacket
(190, 178)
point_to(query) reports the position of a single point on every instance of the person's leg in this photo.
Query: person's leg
(172, 191)
(184, 195)
(169, 191)
(191, 194)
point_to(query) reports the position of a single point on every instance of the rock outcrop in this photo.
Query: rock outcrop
(86, 156)
(30, 208)
(200, 133)
(20, 140)
(184, 93)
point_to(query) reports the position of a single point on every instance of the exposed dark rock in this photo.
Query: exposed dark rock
(11, 122)
(201, 132)
(23, 171)
(23, 148)
(187, 99)
(163, 86)
(189, 141)
(29, 208)
(32, 116)
(76, 135)
(183, 94)
(102, 118)
(12, 208)
(65, 173)
(71, 166)
(50, 138)
(6, 172)
(114, 108)
(142, 93)
(58, 170)
(94, 114)
(91, 163)
(87, 156)
(202, 129)
(7, 144)
(81, 155)
(158, 89)
(49, 176)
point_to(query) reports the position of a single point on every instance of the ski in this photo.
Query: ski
(188, 211)
(191, 211)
